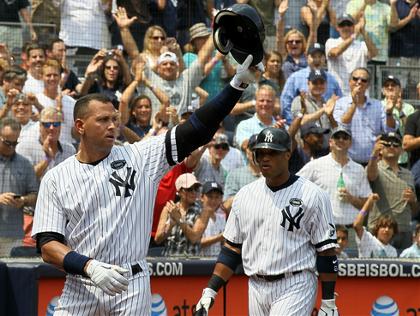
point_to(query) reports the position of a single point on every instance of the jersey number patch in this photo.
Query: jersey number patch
(126, 184)
(294, 220)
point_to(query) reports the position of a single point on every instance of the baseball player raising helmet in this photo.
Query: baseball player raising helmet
(281, 228)
(94, 211)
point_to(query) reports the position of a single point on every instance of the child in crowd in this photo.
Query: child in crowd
(212, 198)
(414, 250)
(375, 244)
(342, 240)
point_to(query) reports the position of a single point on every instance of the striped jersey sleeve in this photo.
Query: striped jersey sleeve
(323, 234)
(50, 216)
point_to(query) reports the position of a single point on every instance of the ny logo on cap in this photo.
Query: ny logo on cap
(317, 72)
(268, 137)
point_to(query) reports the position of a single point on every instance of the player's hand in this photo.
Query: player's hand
(107, 277)
(205, 303)
(244, 75)
(328, 308)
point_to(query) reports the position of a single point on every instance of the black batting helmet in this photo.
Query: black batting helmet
(273, 138)
(239, 30)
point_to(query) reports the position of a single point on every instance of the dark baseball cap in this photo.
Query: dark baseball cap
(316, 47)
(341, 129)
(345, 18)
(221, 139)
(317, 74)
(311, 128)
(211, 186)
(390, 136)
(393, 79)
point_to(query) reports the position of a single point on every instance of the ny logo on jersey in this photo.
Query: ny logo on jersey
(268, 137)
(294, 220)
(126, 185)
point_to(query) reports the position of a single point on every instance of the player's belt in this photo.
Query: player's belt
(135, 268)
(272, 278)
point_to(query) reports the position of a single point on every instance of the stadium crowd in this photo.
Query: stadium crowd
(156, 62)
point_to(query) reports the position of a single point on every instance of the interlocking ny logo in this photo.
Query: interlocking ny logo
(294, 220)
(268, 137)
(127, 184)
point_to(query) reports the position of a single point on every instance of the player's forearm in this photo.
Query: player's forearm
(53, 252)
(203, 124)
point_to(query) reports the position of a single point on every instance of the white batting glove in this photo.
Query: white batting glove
(107, 277)
(244, 76)
(206, 301)
(328, 308)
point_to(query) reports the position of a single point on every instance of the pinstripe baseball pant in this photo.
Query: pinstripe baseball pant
(291, 296)
(82, 298)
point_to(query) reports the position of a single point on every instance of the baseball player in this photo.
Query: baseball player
(281, 229)
(94, 211)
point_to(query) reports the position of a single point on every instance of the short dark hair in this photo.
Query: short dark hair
(385, 221)
(342, 228)
(34, 46)
(11, 122)
(361, 68)
(82, 105)
(13, 73)
(51, 43)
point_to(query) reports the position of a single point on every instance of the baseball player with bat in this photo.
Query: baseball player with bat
(281, 228)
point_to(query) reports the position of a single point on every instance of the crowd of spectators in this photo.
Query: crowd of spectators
(156, 62)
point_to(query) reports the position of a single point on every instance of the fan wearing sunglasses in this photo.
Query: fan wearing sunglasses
(364, 116)
(394, 185)
(347, 52)
(45, 150)
(18, 187)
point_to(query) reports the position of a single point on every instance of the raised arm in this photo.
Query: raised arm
(367, 206)
(203, 124)
(283, 6)
(124, 24)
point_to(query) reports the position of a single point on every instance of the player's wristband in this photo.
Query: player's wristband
(74, 263)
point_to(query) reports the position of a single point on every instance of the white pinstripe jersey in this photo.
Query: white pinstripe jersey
(281, 231)
(105, 210)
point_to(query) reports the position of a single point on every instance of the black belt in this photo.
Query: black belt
(135, 268)
(272, 278)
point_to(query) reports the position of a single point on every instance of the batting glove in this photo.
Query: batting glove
(206, 301)
(244, 76)
(107, 277)
(328, 308)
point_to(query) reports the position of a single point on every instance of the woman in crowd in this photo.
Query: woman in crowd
(154, 41)
(138, 115)
(107, 73)
(293, 50)
(375, 244)
(182, 224)
(273, 74)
